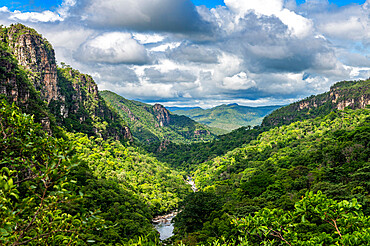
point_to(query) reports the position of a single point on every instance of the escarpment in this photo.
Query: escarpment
(72, 97)
(351, 94)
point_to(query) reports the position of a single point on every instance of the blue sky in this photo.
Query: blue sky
(40, 5)
(252, 53)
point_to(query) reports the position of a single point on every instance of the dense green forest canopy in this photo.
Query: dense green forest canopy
(272, 173)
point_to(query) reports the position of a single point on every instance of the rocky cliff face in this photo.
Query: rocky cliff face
(72, 97)
(352, 94)
(35, 54)
(162, 115)
(9, 83)
(15, 87)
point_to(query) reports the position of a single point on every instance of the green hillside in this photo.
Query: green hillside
(71, 97)
(228, 117)
(328, 154)
(345, 94)
(150, 123)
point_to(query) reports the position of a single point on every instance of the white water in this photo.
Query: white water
(165, 229)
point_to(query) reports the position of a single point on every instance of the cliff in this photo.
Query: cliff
(16, 87)
(36, 55)
(162, 115)
(352, 94)
(72, 97)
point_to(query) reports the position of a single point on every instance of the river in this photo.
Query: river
(163, 223)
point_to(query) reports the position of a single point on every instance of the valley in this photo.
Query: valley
(79, 166)
(228, 117)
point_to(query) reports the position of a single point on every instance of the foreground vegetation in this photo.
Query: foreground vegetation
(78, 189)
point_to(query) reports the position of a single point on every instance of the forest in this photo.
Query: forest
(73, 173)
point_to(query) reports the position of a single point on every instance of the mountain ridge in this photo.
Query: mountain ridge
(352, 94)
(228, 116)
(154, 123)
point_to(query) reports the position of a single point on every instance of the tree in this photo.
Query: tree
(34, 186)
(316, 220)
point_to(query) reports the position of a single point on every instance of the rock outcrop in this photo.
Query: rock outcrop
(162, 115)
(351, 94)
(35, 54)
(15, 87)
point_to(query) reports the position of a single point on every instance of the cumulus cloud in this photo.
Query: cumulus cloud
(239, 81)
(298, 25)
(159, 15)
(195, 53)
(114, 48)
(45, 16)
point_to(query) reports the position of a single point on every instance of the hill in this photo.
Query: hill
(345, 94)
(154, 123)
(264, 179)
(227, 117)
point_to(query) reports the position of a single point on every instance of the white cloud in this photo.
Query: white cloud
(239, 81)
(45, 16)
(4, 9)
(349, 27)
(260, 51)
(298, 25)
(114, 48)
(65, 7)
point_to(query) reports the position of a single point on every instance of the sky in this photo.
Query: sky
(203, 52)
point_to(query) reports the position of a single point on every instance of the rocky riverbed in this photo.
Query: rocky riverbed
(164, 225)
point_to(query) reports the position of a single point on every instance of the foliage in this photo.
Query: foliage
(159, 186)
(329, 154)
(16, 87)
(351, 93)
(126, 215)
(188, 156)
(316, 220)
(34, 184)
(83, 109)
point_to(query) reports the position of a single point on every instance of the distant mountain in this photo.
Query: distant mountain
(227, 117)
(150, 123)
(182, 108)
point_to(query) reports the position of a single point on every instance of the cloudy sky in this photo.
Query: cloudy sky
(205, 52)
